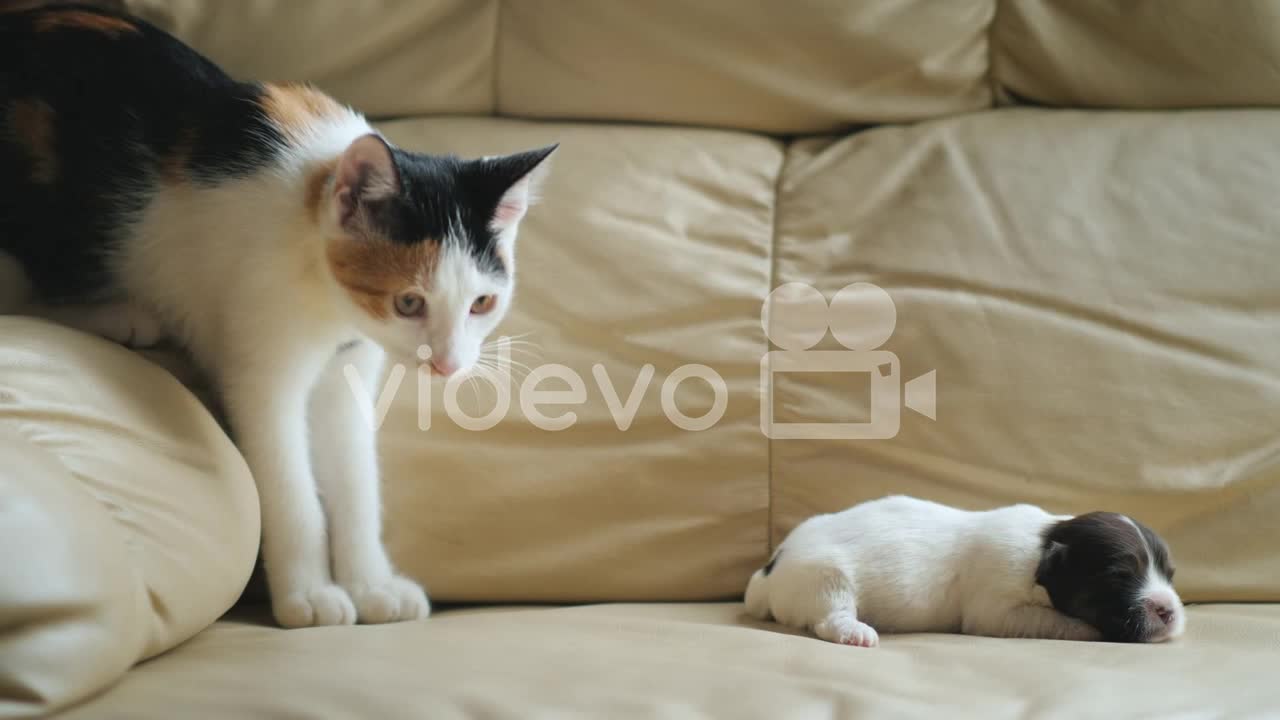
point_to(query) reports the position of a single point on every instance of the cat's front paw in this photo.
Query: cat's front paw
(319, 605)
(394, 599)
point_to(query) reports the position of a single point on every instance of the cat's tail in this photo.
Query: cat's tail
(15, 289)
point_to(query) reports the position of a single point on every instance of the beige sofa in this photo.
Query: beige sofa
(1071, 205)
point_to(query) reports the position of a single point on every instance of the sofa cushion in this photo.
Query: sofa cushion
(1096, 294)
(693, 661)
(128, 522)
(650, 249)
(778, 67)
(385, 57)
(816, 65)
(1139, 54)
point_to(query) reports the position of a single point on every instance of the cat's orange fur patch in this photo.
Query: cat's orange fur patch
(295, 107)
(374, 270)
(83, 20)
(317, 183)
(31, 124)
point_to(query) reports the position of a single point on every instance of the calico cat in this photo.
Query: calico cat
(145, 194)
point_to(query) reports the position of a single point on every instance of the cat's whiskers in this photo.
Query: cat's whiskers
(500, 355)
(507, 339)
(507, 366)
(501, 368)
(527, 353)
(512, 343)
(475, 386)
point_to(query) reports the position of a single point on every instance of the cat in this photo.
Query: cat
(276, 236)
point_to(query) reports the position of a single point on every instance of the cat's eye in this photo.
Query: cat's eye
(483, 304)
(411, 305)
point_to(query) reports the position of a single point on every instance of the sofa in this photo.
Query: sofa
(1038, 239)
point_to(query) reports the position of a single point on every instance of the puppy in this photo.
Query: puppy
(900, 565)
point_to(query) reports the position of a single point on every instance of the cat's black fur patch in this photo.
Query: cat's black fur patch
(428, 205)
(120, 104)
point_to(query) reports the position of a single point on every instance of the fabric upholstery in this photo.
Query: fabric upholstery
(808, 66)
(693, 661)
(386, 57)
(128, 521)
(798, 67)
(1140, 54)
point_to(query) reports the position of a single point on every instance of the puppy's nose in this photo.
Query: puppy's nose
(1162, 611)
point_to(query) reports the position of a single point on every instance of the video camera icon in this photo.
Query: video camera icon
(861, 317)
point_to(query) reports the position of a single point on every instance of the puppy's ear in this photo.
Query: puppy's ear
(1052, 557)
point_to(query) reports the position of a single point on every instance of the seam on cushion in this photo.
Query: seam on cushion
(495, 57)
(773, 278)
(993, 78)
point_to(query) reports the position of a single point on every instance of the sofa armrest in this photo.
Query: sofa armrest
(128, 520)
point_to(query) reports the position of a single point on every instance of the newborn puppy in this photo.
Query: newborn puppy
(900, 565)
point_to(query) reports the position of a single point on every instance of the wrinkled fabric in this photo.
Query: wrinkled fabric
(1145, 54)
(128, 520)
(693, 661)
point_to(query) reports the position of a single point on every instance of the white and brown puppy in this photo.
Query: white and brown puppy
(900, 565)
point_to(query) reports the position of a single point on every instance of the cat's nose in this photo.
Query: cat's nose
(443, 366)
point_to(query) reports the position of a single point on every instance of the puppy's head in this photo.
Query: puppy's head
(1115, 574)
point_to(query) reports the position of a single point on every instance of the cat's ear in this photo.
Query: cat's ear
(522, 175)
(366, 172)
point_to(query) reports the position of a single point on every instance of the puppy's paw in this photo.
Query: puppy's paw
(863, 635)
(845, 629)
(394, 599)
(319, 605)
(1081, 632)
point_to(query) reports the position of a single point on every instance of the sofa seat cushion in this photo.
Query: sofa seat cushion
(692, 661)
(128, 521)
